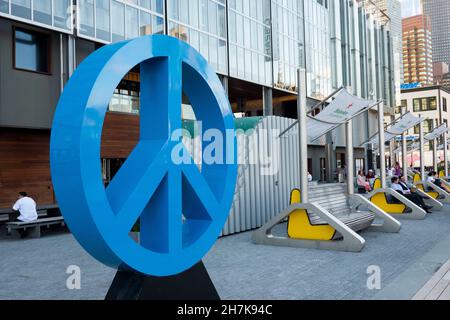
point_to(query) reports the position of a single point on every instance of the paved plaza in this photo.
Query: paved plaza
(36, 268)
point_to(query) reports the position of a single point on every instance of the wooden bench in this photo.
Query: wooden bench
(35, 226)
(43, 211)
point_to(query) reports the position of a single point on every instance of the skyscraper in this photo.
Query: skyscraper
(417, 50)
(439, 13)
(391, 12)
(410, 8)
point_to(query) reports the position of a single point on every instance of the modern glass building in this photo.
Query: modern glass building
(255, 46)
(439, 13)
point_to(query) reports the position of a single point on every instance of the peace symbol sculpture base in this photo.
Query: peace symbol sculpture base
(193, 284)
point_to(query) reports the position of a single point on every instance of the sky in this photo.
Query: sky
(410, 7)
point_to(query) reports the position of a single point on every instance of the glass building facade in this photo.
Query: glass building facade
(250, 38)
(202, 24)
(260, 41)
(114, 20)
(53, 14)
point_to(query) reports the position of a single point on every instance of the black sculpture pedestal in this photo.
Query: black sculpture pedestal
(193, 284)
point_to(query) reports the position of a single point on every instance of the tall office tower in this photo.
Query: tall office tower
(417, 50)
(439, 13)
(391, 12)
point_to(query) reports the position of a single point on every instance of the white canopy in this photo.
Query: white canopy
(438, 132)
(405, 123)
(410, 148)
(342, 109)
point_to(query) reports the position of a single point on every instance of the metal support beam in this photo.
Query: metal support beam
(445, 155)
(382, 145)
(392, 147)
(422, 153)
(303, 137)
(435, 155)
(330, 158)
(224, 80)
(71, 50)
(350, 157)
(267, 101)
(405, 156)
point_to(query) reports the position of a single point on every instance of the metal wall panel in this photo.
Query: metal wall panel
(259, 197)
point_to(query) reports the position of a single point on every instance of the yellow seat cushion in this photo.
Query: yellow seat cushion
(380, 201)
(300, 227)
(432, 194)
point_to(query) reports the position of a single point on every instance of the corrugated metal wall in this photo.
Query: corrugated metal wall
(260, 196)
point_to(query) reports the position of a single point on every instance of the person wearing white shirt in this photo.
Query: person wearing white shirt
(433, 178)
(26, 207)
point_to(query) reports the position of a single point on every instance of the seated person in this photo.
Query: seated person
(26, 210)
(362, 182)
(371, 177)
(404, 190)
(409, 187)
(433, 178)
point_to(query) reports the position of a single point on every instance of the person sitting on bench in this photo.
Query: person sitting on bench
(433, 178)
(409, 188)
(403, 189)
(362, 182)
(26, 210)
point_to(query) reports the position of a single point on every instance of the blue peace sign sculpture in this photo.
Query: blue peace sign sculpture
(182, 209)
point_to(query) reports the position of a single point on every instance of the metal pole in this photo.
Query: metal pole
(382, 145)
(350, 161)
(392, 146)
(445, 155)
(303, 138)
(405, 156)
(422, 153)
(435, 155)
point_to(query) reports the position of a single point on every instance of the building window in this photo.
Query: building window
(427, 127)
(402, 108)
(31, 51)
(425, 104)
(444, 104)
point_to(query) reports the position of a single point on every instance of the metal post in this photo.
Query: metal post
(350, 161)
(382, 145)
(405, 156)
(435, 155)
(71, 50)
(225, 84)
(267, 101)
(330, 157)
(445, 155)
(422, 153)
(392, 146)
(303, 138)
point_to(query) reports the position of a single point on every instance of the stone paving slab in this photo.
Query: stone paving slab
(438, 287)
(36, 268)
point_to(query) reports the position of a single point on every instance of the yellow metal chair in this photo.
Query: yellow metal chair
(301, 227)
(380, 199)
(419, 185)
